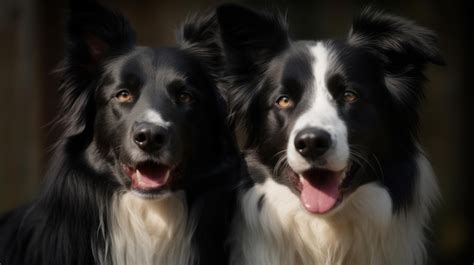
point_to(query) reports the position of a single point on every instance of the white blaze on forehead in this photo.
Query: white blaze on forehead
(154, 117)
(321, 113)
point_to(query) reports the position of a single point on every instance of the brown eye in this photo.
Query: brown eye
(350, 96)
(185, 98)
(124, 96)
(284, 102)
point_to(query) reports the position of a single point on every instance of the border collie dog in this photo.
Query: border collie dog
(145, 169)
(330, 133)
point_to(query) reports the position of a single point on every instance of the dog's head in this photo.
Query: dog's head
(147, 115)
(328, 116)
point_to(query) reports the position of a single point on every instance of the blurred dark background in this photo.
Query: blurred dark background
(31, 45)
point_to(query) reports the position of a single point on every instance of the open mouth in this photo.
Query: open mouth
(148, 176)
(322, 190)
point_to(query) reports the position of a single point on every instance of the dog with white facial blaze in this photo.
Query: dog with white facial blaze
(329, 129)
(146, 168)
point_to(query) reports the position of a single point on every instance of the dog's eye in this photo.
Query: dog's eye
(350, 96)
(124, 96)
(284, 102)
(185, 98)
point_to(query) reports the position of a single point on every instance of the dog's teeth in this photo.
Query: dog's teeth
(343, 176)
(139, 176)
(167, 176)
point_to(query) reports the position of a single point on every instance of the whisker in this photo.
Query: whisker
(380, 166)
(279, 152)
(281, 164)
(359, 155)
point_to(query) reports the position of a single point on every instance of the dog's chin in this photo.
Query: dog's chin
(149, 179)
(158, 194)
(323, 191)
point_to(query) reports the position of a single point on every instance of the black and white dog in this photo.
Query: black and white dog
(330, 131)
(145, 170)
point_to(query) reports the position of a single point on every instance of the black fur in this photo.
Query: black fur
(62, 225)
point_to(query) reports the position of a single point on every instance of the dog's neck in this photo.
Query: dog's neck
(149, 232)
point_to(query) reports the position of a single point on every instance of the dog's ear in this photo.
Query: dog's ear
(250, 38)
(95, 33)
(198, 36)
(402, 47)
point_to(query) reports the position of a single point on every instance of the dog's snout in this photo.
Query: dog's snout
(312, 143)
(148, 136)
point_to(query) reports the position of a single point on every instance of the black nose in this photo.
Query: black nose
(312, 143)
(149, 137)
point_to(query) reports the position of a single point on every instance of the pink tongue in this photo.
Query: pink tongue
(149, 177)
(320, 193)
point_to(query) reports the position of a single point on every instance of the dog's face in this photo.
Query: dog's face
(153, 114)
(319, 110)
(331, 115)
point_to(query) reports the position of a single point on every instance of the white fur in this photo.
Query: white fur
(321, 114)
(154, 117)
(149, 232)
(364, 231)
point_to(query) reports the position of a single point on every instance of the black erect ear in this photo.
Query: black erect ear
(250, 38)
(198, 35)
(403, 48)
(95, 33)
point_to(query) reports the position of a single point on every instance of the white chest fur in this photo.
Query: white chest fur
(364, 231)
(150, 232)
